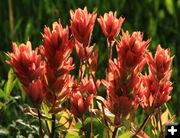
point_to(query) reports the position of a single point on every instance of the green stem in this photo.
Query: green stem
(109, 52)
(53, 126)
(83, 127)
(115, 132)
(40, 125)
(11, 18)
(106, 123)
(92, 134)
(143, 125)
(47, 127)
(159, 115)
(81, 71)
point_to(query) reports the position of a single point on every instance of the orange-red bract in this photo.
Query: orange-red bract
(161, 63)
(110, 25)
(157, 84)
(83, 52)
(82, 24)
(156, 93)
(56, 49)
(131, 49)
(36, 92)
(81, 95)
(79, 103)
(30, 70)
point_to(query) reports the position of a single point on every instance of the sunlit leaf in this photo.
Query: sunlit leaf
(45, 110)
(69, 135)
(152, 26)
(2, 94)
(127, 134)
(66, 120)
(170, 6)
(4, 131)
(73, 132)
(17, 26)
(178, 3)
(11, 82)
(164, 116)
(98, 127)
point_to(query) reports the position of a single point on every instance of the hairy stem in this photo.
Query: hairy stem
(47, 127)
(106, 123)
(81, 71)
(53, 126)
(109, 52)
(91, 134)
(143, 125)
(40, 125)
(115, 132)
(159, 115)
(83, 127)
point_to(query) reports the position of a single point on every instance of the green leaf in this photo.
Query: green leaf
(28, 29)
(170, 6)
(169, 113)
(74, 133)
(164, 117)
(98, 127)
(152, 27)
(45, 109)
(17, 26)
(178, 3)
(2, 94)
(1, 105)
(69, 135)
(4, 131)
(10, 83)
(127, 134)
(161, 14)
(23, 93)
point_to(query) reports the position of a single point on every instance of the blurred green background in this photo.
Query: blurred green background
(22, 20)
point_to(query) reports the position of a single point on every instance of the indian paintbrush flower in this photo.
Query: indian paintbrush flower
(157, 83)
(56, 50)
(110, 25)
(48, 79)
(83, 52)
(82, 24)
(81, 96)
(131, 49)
(161, 63)
(30, 70)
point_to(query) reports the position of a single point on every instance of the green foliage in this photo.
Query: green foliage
(98, 127)
(8, 87)
(125, 135)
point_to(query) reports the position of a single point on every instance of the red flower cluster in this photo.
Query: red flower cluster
(131, 50)
(157, 83)
(110, 25)
(160, 65)
(30, 70)
(126, 86)
(82, 24)
(123, 79)
(81, 95)
(56, 49)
